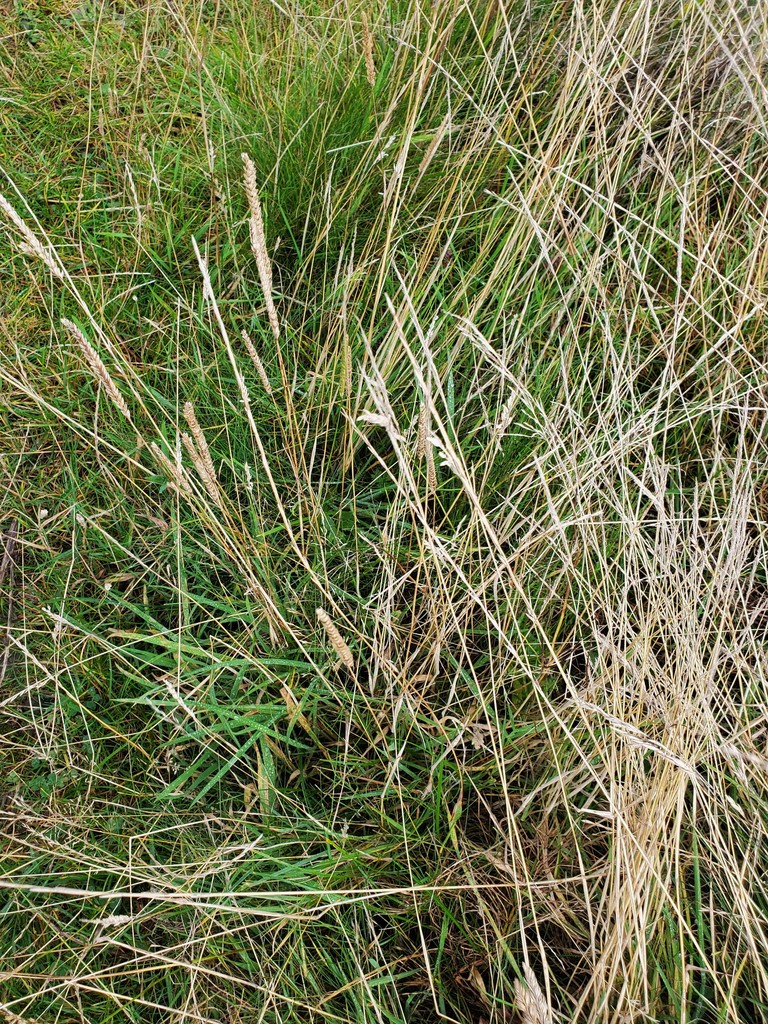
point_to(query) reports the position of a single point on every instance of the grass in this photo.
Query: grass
(406, 660)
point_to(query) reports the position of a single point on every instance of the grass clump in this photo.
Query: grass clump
(383, 560)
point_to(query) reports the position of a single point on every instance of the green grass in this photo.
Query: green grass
(514, 443)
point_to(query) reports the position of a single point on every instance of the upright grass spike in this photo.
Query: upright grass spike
(259, 243)
(370, 67)
(200, 454)
(337, 641)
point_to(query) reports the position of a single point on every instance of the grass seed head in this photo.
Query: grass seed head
(346, 354)
(97, 366)
(422, 438)
(370, 67)
(200, 442)
(256, 360)
(204, 471)
(259, 242)
(532, 1004)
(337, 641)
(31, 244)
(174, 472)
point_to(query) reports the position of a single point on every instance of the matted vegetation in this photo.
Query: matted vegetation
(383, 394)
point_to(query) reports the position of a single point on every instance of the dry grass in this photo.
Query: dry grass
(518, 445)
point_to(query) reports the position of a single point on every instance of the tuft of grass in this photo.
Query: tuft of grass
(383, 534)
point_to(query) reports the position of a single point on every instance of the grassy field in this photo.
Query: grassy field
(383, 512)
